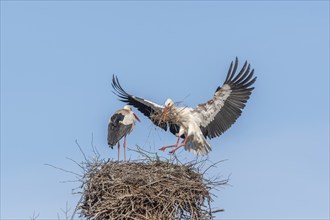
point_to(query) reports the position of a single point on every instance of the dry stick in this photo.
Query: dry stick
(81, 151)
(34, 216)
(95, 151)
(76, 208)
(213, 165)
(68, 158)
(67, 171)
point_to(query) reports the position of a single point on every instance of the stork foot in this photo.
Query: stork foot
(175, 149)
(165, 147)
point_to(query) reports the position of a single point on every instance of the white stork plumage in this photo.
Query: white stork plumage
(121, 123)
(207, 120)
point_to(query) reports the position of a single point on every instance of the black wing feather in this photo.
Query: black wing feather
(144, 106)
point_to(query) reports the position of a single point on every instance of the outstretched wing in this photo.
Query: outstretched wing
(219, 113)
(146, 107)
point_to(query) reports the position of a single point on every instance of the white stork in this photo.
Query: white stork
(120, 124)
(207, 120)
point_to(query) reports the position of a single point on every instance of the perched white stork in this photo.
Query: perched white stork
(207, 120)
(120, 124)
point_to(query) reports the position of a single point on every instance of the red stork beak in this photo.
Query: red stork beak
(136, 117)
(165, 112)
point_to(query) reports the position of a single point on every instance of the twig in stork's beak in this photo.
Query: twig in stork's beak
(136, 117)
(165, 113)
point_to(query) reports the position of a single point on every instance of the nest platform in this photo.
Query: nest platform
(146, 190)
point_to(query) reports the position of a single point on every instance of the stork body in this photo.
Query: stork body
(120, 125)
(188, 127)
(207, 120)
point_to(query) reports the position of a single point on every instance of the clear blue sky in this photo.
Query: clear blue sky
(57, 60)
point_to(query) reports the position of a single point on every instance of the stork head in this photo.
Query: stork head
(129, 108)
(168, 105)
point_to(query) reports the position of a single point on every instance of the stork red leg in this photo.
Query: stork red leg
(181, 145)
(118, 150)
(125, 148)
(175, 145)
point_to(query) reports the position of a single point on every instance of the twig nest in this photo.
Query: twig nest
(147, 190)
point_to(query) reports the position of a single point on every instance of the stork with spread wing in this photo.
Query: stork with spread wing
(207, 120)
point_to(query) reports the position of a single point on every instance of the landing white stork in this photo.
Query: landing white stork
(207, 120)
(120, 124)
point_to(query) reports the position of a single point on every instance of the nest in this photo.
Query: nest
(152, 189)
